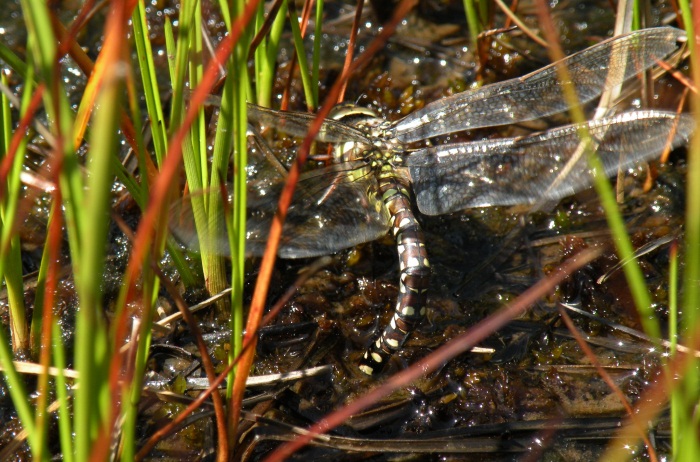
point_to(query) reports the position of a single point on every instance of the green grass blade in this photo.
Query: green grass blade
(15, 385)
(42, 46)
(316, 56)
(625, 250)
(151, 91)
(12, 260)
(12, 60)
(65, 428)
(676, 401)
(687, 394)
(134, 390)
(307, 84)
(238, 235)
(273, 44)
(92, 404)
(473, 23)
(236, 228)
(10, 272)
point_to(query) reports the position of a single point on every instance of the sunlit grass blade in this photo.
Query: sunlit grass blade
(307, 83)
(20, 398)
(10, 255)
(189, 67)
(316, 54)
(44, 315)
(42, 52)
(65, 427)
(474, 10)
(93, 407)
(150, 286)
(676, 400)
(151, 91)
(236, 228)
(685, 398)
(266, 53)
(91, 336)
(10, 273)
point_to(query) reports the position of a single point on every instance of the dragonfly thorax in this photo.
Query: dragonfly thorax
(383, 148)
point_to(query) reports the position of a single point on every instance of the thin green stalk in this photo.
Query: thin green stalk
(237, 235)
(637, 15)
(12, 60)
(12, 261)
(624, 248)
(157, 122)
(150, 285)
(686, 418)
(93, 403)
(260, 63)
(151, 91)
(306, 82)
(240, 160)
(15, 385)
(9, 266)
(266, 57)
(676, 400)
(473, 23)
(42, 46)
(237, 228)
(133, 395)
(65, 429)
(316, 57)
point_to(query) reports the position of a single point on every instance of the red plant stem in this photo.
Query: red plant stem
(351, 45)
(17, 138)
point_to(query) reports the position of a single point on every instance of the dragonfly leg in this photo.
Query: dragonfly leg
(413, 283)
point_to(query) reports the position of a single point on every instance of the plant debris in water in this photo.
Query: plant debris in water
(531, 388)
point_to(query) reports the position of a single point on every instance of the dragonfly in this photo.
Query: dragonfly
(379, 177)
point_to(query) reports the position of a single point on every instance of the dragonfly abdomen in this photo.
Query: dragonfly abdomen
(415, 273)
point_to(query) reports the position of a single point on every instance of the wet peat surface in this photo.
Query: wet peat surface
(530, 392)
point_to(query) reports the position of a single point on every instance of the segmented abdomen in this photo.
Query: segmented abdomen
(414, 277)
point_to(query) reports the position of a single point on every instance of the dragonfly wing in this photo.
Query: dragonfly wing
(331, 210)
(528, 169)
(539, 94)
(298, 123)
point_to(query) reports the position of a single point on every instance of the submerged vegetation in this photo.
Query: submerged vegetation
(119, 342)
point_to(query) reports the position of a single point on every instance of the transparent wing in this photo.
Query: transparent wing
(297, 124)
(333, 208)
(538, 94)
(523, 170)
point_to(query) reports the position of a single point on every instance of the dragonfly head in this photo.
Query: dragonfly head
(358, 117)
